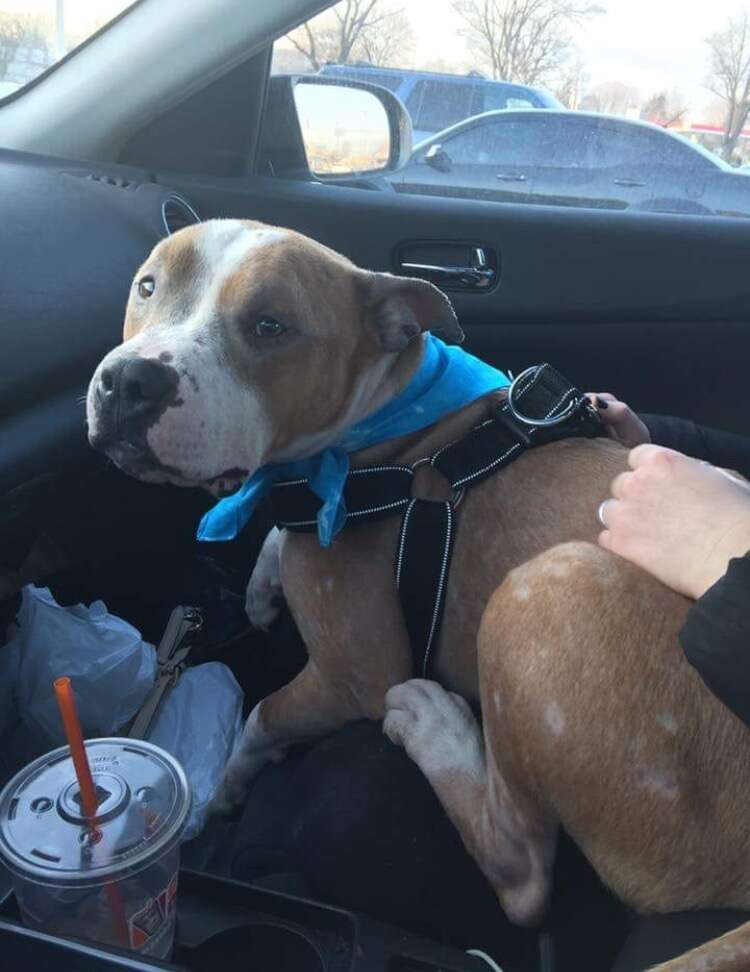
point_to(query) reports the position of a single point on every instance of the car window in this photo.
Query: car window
(36, 34)
(435, 105)
(495, 97)
(502, 142)
(623, 146)
(668, 100)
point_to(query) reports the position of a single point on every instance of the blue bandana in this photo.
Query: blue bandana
(447, 379)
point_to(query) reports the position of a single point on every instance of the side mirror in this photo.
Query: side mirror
(332, 128)
(438, 158)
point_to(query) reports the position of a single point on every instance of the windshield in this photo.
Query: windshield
(36, 34)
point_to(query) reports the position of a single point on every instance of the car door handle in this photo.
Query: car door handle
(628, 182)
(478, 276)
(510, 177)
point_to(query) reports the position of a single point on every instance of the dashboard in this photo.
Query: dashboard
(71, 237)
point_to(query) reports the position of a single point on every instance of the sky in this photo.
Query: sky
(652, 45)
(77, 12)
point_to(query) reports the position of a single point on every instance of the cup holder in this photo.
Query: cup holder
(254, 948)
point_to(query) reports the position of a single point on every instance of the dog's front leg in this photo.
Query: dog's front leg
(264, 591)
(351, 623)
(311, 705)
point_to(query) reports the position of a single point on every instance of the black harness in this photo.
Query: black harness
(541, 407)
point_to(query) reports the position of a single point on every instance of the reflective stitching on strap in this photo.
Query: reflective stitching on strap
(559, 404)
(377, 469)
(440, 589)
(290, 482)
(478, 472)
(397, 504)
(379, 509)
(530, 382)
(434, 456)
(402, 540)
(352, 472)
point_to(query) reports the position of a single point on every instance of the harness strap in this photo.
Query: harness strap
(427, 534)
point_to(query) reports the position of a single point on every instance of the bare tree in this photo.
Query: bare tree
(352, 30)
(572, 82)
(729, 58)
(17, 31)
(389, 42)
(527, 41)
(665, 108)
(612, 98)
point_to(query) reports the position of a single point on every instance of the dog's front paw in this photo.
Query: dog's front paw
(265, 595)
(436, 728)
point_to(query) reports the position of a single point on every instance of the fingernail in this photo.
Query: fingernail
(601, 404)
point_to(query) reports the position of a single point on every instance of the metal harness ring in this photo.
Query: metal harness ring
(543, 423)
(458, 494)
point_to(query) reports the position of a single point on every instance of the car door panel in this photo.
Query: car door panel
(647, 306)
(575, 186)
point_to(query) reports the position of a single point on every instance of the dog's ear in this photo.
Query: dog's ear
(400, 308)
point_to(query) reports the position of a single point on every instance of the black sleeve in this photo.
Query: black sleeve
(723, 449)
(716, 638)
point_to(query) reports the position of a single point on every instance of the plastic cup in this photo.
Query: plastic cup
(114, 882)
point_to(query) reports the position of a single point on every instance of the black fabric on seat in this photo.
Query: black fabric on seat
(662, 937)
(357, 819)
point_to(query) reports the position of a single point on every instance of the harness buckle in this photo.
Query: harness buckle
(540, 423)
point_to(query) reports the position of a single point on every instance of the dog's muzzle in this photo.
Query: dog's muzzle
(130, 395)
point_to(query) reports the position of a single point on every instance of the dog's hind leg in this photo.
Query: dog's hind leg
(505, 829)
(730, 953)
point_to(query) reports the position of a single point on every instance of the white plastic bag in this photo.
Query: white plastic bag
(111, 667)
(200, 723)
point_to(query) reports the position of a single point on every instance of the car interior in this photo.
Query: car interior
(106, 154)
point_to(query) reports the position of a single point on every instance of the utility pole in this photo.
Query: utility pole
(60, 29)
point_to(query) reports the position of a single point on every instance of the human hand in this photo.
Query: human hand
(620, 421)
(680, 519)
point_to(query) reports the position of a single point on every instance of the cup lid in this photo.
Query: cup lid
(143, 799)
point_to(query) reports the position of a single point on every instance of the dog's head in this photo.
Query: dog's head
(246, 344)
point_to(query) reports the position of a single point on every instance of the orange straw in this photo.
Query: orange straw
(67, 702)
(72, 724)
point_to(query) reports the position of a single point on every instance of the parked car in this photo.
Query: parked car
(564, 158)
(436, 101)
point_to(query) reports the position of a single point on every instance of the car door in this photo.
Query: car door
(606, 296)
(567, 173)
(491, 157)
(648, 169)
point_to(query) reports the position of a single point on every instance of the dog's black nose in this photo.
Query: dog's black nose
(136, 388)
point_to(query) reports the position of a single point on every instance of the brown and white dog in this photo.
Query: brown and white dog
(246, 344)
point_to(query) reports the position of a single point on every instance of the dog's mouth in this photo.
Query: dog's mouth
(138, 460)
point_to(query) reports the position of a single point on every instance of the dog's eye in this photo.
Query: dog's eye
(267, 327)
(146, 287)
